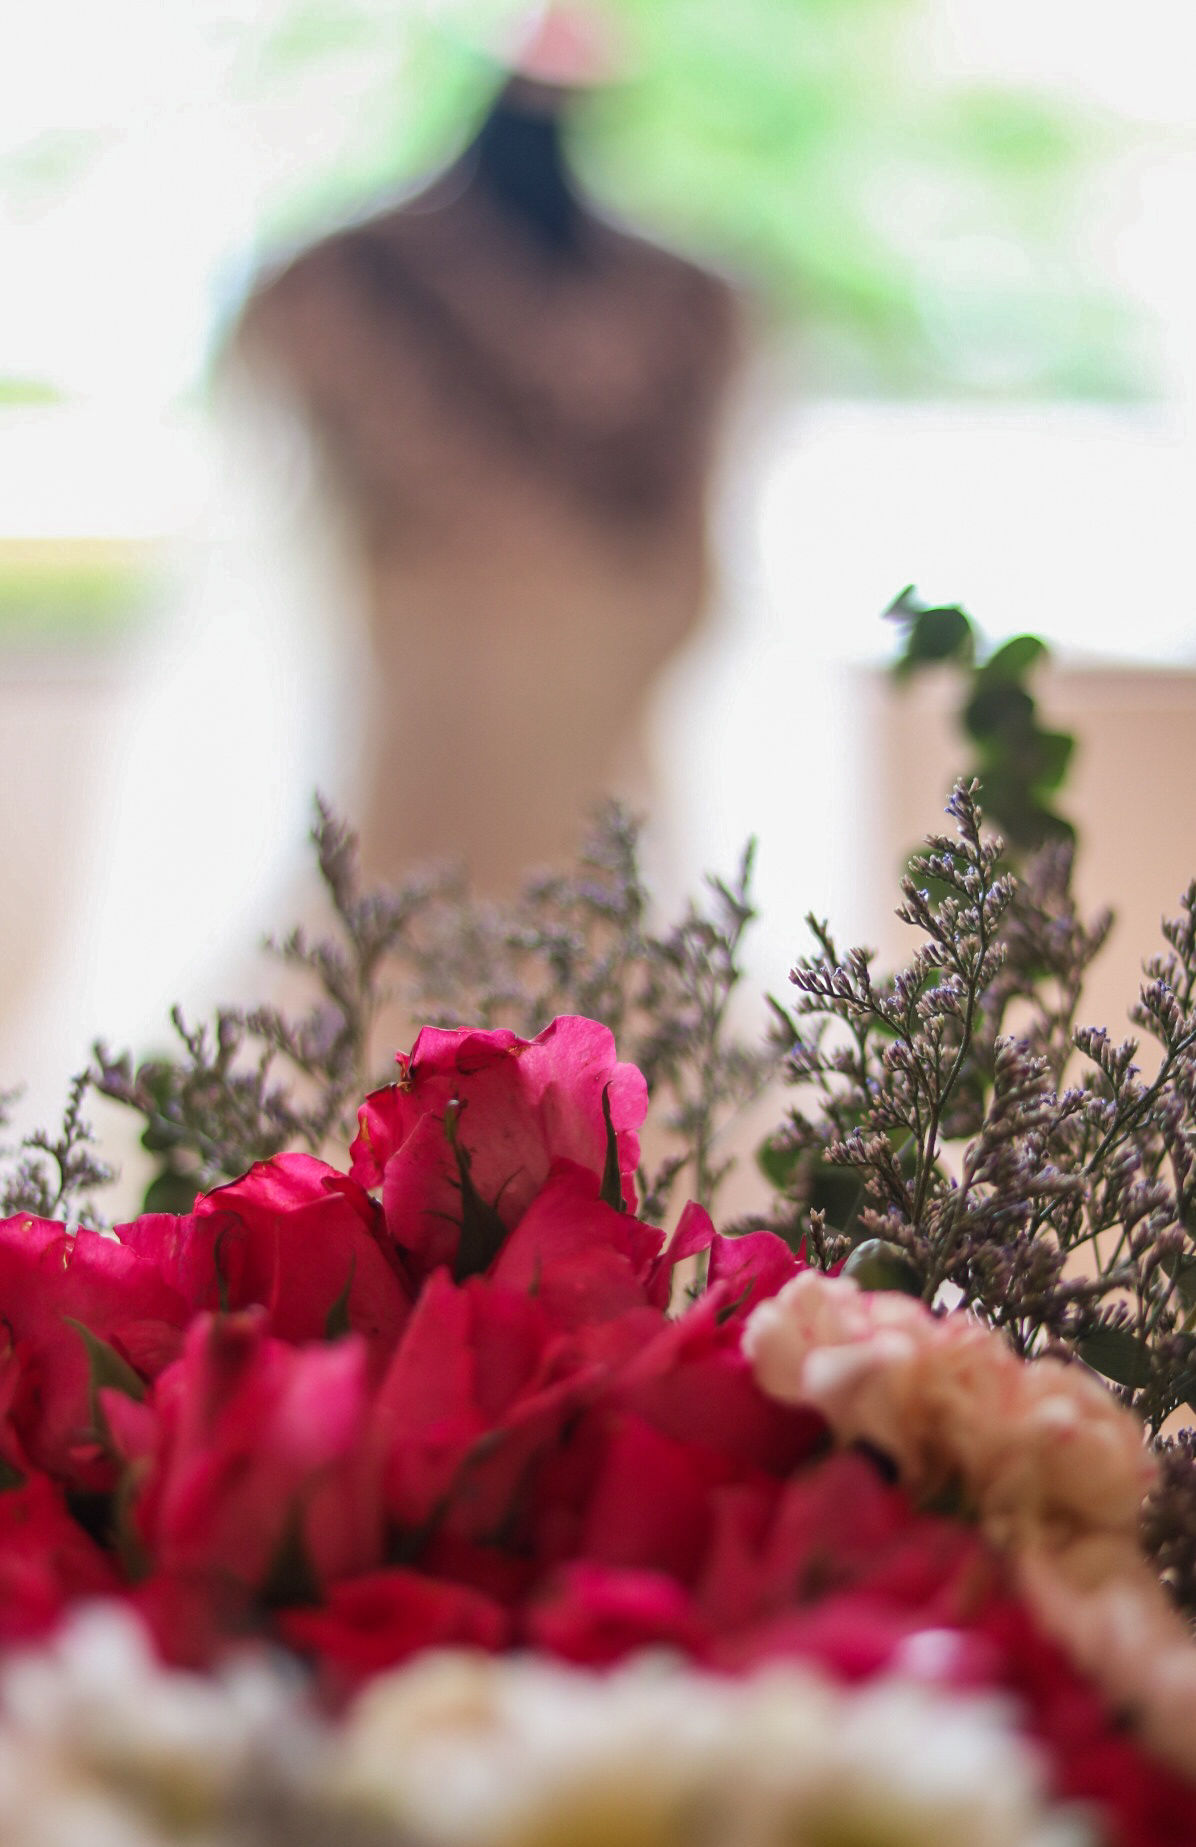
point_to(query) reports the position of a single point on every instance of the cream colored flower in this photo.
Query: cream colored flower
(468, 1751)
(1040, 1451)
(100, 1745)
(1127, 1637)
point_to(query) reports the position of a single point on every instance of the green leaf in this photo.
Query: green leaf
(218, 1264)
(1053, 750)
(125, 1537)
(838, 1193)
(779, 1164)
(108, 1371)
(903, 607)
(879, 1264)
(1014, 659)
(292, 1577)
(612, 1179)
(1116, 1354)
(336, 1321)
(170, 1191)
(1183, 1269)
(723, 1314)
(482, 1230)
(998, 708)
(937, 635)
(159, 1138)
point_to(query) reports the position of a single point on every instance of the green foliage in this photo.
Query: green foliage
(1018, 763)
(107, 1370)
(51, 594)
(43, 170)
(20, 392)
(795, 142)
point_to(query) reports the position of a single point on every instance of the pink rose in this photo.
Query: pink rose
(466, 1138)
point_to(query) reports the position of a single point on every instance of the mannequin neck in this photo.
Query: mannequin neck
(518, 158)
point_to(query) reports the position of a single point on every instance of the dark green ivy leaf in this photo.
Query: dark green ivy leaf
(1054, 750)
(170, 1191)
(1000, 707)
(1116, 1354)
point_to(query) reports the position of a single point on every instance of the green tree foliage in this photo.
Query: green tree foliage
(920, 234)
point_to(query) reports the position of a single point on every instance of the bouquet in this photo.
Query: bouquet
(442, 1497)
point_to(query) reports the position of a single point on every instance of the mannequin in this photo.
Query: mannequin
(514, 405)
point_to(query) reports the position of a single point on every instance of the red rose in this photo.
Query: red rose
(690, 1380)
(1093, 1758)
(374, 1622)
(582, 1260)
(292, 1236)
(754, 1266)
(825, 1528)
(481, 1383)
(649, 1500)
(596, 1614)
(252, 1459)
(46, 1561)
(466, 1138)
(619, 1492)
(53, 1284)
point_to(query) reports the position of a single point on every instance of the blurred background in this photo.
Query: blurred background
(957, 238)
